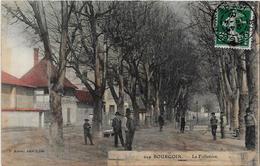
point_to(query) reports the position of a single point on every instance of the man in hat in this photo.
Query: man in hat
(87, 133)
(223, 123)
(130, 129)
(161, 121)
(182, 123)
(250, 122)
(214, 125)
(117, 127)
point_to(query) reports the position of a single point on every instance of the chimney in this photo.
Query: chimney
(35, 56)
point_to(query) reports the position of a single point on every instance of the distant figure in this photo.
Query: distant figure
(250, 122)
(116, 124)
(87, 133)
(130, 129)
(214, 125)
(223, 122)
(182, 123)
(161, 121)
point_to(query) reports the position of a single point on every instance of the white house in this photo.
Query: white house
(17, 99)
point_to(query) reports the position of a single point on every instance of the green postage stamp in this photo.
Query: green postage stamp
(234, 25)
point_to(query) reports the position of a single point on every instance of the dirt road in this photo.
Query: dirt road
(30, 148)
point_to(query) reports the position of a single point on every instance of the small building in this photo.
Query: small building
(17, 99)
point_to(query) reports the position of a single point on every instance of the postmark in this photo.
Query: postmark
(234, 24)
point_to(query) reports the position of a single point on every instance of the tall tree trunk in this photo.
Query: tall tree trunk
(252, 62)
(148, 105)
(97, 114)
(136, 109)
(98, 107)
(229, 119)
(157, 106)
(56, 126)
(243, 98)
(55, 78)
(235, 110)
(120, 103)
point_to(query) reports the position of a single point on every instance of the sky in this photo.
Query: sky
(22, 53)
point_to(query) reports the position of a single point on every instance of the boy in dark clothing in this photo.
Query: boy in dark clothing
(87, 133)
(161, 121)
(117, 127)
(130, 130)
(214, 125)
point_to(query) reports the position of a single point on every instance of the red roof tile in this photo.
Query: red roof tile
(84, 97)
(12, 80)
(37, 76)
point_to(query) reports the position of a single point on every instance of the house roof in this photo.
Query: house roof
(84, 97)
(37, 76)
(12, 80)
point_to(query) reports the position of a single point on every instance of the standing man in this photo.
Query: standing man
(250, 122)
(116, 124)
(161, 121)
(223, 122)
(214, 125)
(182, 123)
(87, 133)
(130, 129)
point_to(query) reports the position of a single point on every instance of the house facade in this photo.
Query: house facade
(17, 99)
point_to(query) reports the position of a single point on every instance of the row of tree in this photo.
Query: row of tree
(230, 74)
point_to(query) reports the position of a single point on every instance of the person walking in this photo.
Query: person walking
(161, 121)
(130, 129)
(182, 123)
(116, 124)
(223, 122)
(250, 122)
(87, 134)
(214, 125)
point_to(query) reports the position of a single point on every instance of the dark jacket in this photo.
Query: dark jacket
(249, 120)
(86, 127)
(117, 125)
(161, 120)
(213, 121)
(183, 120)
(130, 124)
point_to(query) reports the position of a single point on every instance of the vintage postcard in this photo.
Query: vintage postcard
(130, 83)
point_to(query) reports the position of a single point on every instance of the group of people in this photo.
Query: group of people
(124, 123)
(249, 120)
(120, 123)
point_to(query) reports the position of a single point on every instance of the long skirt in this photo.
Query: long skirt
(250, 137)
